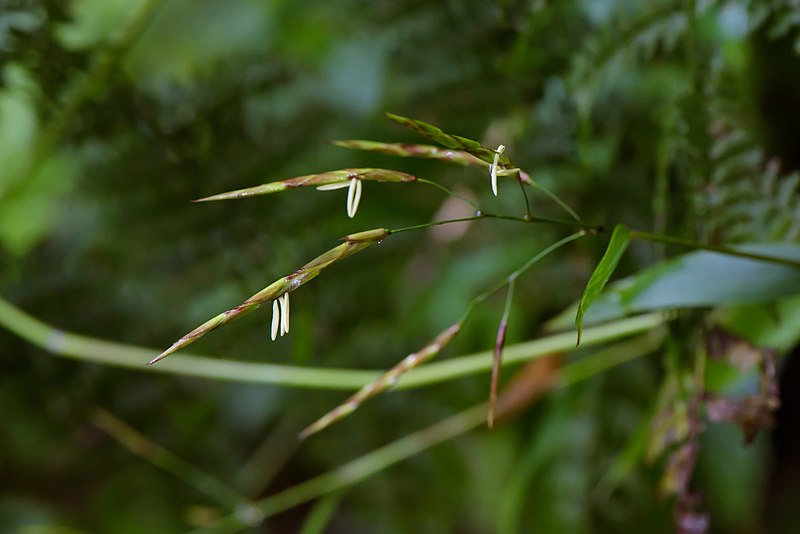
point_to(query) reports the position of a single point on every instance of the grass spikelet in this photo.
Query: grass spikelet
(315, 180)
(448, 140)
(386, 381)
(352, 243)
(405, 150)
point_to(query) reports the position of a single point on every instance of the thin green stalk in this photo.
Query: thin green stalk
(142, 446)
(516, 274)
(481, 362)
(549, 220)
(449, 192)
(669, 240)
(626, 461)
(321, 515)
(384, 457)
(556, 199)
(609, 357)
(270, 457)
(434, 223)
(484, 215)
(93, 350)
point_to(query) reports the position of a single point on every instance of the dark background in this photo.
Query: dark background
(114, 114)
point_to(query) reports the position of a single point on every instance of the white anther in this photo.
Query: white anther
(353, 197)
(493, 168)
(276, 319)
(280, 316)
(284, 313)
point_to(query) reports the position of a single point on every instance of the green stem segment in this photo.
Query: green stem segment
(93, 350)
(166, 460)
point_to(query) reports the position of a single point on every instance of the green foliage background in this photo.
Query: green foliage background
(115, 113)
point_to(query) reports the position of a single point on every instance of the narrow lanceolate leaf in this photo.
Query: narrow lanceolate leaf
(616, 248)
(352, 243)
(326, 178)
(448, 140)
(386, 381)
(405, 150)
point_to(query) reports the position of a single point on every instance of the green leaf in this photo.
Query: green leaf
(448, 140)
(698, 279)
(616, 248)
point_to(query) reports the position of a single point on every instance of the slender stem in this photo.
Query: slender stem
(484, 215)
(556, 199)
(449, 192)
(384, 457)
(669, 240)
(142, 446)
(320, 516)
(513, 354)
(434, 223)
(516, 274)
(99, 351)
(562, 222)
(270, 457)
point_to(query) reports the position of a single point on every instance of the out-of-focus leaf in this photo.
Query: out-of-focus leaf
(186, 41)
(18, 123)
(616, 248)
(27, 217)
(775, 325)
(95, 21)
(732, 475)
(698, 279)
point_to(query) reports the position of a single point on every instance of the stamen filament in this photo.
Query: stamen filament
(285, 313)
(357, 199)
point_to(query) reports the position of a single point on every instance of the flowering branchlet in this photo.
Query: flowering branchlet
(331, 178)
(405, 150)
(280, 288)
(386, 381)
(449, 140)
